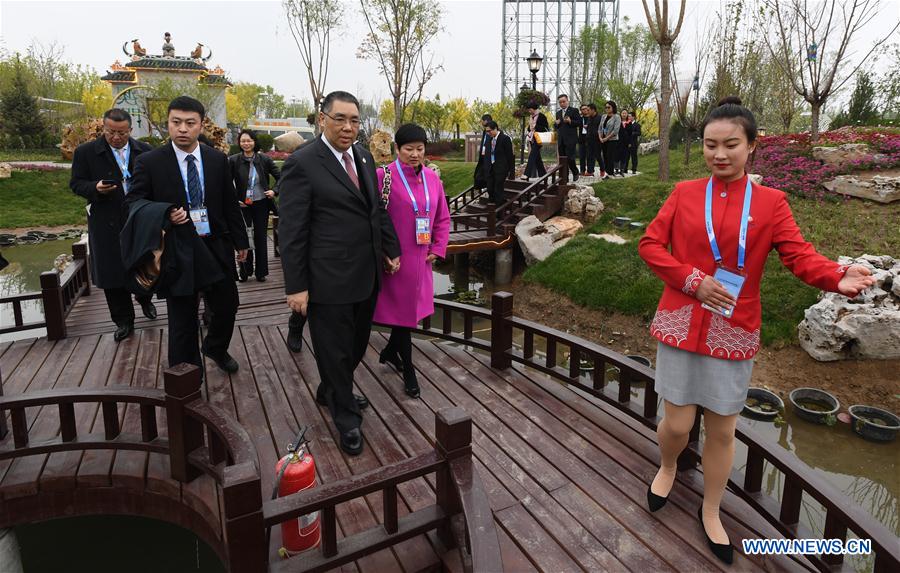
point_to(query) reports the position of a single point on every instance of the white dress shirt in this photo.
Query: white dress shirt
(339, 155)
(182, 165)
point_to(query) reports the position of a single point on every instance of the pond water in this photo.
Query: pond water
(867, 473)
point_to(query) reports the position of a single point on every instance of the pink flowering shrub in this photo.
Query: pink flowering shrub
(786, 161)
(278, 155)
(40, 166)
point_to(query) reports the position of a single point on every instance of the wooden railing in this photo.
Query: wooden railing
(458, 490)
(59, 293)
(799, 479)
(203, 439)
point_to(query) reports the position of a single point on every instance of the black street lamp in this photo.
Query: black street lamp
(534, 65)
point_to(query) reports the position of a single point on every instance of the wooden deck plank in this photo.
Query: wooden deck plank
(534, 541)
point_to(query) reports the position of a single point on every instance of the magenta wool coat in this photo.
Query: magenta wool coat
(408, 296)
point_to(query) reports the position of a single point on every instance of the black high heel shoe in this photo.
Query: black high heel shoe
(410, 383)
(723, 551)
(655, 502)
(393, 359)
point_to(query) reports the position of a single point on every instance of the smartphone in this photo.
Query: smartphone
(108, 182)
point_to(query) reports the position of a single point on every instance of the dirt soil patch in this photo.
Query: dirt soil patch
(871, 382)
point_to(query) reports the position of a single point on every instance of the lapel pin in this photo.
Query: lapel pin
(364, 159)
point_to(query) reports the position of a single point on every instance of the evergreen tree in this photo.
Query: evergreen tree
(18, 110)
(862, 110)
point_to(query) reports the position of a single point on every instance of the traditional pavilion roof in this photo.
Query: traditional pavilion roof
(119, 76)
(166, 63)
(214, 79)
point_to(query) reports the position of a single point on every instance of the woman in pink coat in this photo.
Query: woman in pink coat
(418, 208)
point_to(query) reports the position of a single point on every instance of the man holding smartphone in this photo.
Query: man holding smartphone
(101, 173)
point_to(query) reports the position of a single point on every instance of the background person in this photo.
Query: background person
(482, 162)
(417, 201)
(704, 357)
(635, 140)
(250, 171)
(110, 158)
(567, 125)
(609, 138)
(625, 138)
(502, 163)
(537, 123)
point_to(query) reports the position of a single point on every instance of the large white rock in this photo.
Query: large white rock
(289, 141)
(877, 187)
(648, 147)
(5, 170)
(756, 178)
(538, 240)
(868, 326)
(582, 202)
(842, 153)
(609, 238)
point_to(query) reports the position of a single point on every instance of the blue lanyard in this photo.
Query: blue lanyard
(408, 190)
(252, 175)
(199, 167)
(123, 167)
(745, 217)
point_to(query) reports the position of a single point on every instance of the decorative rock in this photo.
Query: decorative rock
(842, 153)
(5, 170)
(436, 168)
(648, 147)
(609, 238)
(756, 178)
(289, 141)
(582, 202)
(78, 133)
(878, 188)
(538, 240)
(868, 326)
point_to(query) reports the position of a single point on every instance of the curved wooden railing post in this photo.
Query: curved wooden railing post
(54, 309)
(453, 438)
(3, 428)
(501, 330)
(245, 530)
(80, 253)
(182, 386)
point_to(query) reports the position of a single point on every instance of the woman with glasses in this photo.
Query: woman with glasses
(537, 123)
(418, 208)
(250, 171)
(609, 138)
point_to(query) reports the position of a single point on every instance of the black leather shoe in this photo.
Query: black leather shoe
(123, 331)
(655, 502)
(295, 339)
(224, 362)
(723, 551)
(148, 308)
(352, 441)
(410, 383)
(393, 359)
(361, 401)
(261, 279)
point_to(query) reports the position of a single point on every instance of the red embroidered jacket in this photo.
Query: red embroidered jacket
(680, 321)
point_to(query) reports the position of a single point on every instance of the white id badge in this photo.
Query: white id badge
(423, 231)
(200, 219)
(733, 282)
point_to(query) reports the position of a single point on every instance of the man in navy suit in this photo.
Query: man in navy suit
(196, 180)
(568, 125)
(101, 173)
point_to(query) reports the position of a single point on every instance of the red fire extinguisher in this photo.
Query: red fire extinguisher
(296, 472)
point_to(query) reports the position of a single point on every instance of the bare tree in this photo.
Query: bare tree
(811, 41)
(311, 23)
(691, 115)
(400, 32)
(659, 27)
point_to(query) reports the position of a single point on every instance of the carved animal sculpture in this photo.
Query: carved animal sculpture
(138, 50)
(198, 51)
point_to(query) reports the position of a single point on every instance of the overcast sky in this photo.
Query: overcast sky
(252, 43)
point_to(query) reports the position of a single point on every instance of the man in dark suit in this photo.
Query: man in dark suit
(567, 124)
(592, 138)
(335, 236)
(195, 179)
(482, 162)
(634, 144)
(502, 162)
(101, 173)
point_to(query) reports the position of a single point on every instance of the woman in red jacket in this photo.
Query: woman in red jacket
(720, 231)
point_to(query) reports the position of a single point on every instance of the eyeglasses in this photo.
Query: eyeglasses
(116, 133)
(352, 121)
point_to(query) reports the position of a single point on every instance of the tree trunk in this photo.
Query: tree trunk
(457, 131)
(665, 63)
(814, 125)
(398, 114)
(687, 148)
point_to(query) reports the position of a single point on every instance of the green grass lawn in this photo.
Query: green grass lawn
(456, 175)
(30, 155)
(40, 198)
(602, 275)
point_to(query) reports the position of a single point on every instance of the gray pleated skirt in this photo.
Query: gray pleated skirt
(684, 378)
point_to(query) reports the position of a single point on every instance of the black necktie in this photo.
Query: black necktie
(193, 181)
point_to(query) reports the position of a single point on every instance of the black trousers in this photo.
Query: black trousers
(567, 149)
(340, 335)
(257, 216)
(121, 309)
(624, 153)
(535, 166)
(496, 185)
(481, 173)
(582, 153)
(608, 150)
(400, 342)
(222, 301)
(593, 155)
(633, 153)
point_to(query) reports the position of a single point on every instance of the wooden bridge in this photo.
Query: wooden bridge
(476, 225)
(545, 466)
